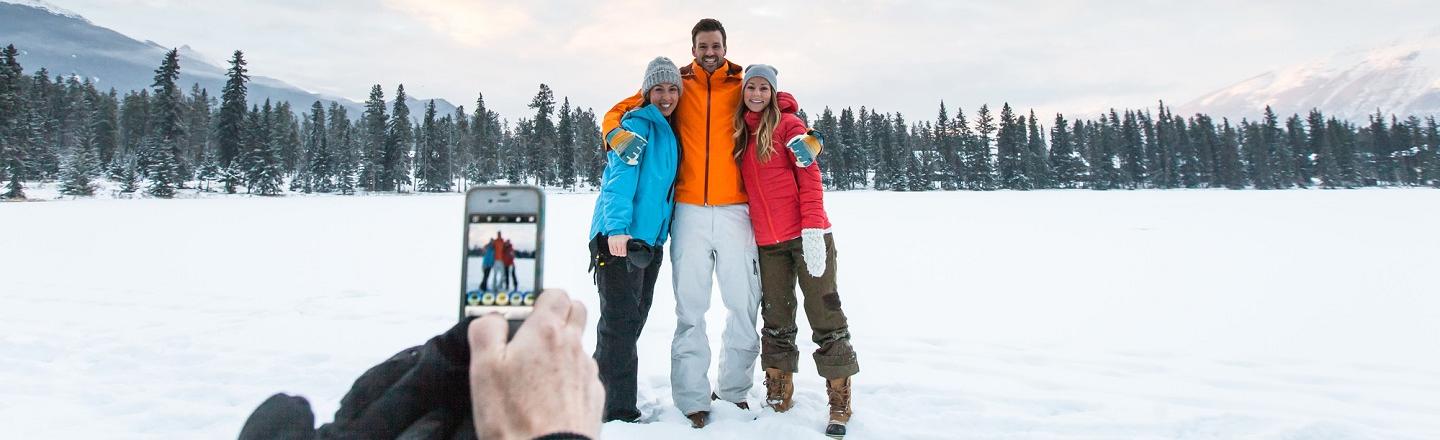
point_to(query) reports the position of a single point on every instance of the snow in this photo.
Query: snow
(47, 7)
(1000, 315)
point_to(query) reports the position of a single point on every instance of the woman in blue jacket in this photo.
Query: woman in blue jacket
(628, 232)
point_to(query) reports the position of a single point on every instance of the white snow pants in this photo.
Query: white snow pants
(707, 243)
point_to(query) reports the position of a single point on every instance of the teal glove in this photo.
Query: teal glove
(806, 147)
(628, 145)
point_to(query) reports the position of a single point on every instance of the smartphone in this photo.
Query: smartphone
(504, 251)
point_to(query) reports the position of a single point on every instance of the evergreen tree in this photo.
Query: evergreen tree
(1257, 153)
(981, 157)
(107, 126)
(1318, 142)
(539, 153)
(565, 146)
(963, 139)
(1206, 142)
(134, 122)
(399, 138)
(479, 169)
(592, 147)
(127, 174)
(264, 169)
(461, 140)
(285, 132)
(1037, 157)
(209, 170)
(1165, 154)
(81, 163)
(164, 172)
(430, 161)
(14, 124)
(1081, 133)
(1229, 168)
(230, 120)
(1154, 159)
(293, 157)
(1282, 161)
(915, 178)
(842, 160)
(513, 145)
(1376, 155)
(1007, 145)
(1302, 157)
(161, 159)
(898, 154)
(372, 154)
(197, 130)
(1104, 160)
(45, 108)
(340, 141)
(1132, 153)
(449, 143)
(1190, 168)
(317, 147)
(945, 145)
(1343, 140)
(828, 125)
(1064, 161)
(1407, 139)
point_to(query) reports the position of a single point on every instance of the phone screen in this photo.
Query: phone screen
(500, 260)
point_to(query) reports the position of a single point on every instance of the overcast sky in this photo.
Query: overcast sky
(894, 55)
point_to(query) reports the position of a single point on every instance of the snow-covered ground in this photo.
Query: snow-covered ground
(1019, 315)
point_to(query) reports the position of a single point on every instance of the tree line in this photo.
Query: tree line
(1128, 149)
(162, 140)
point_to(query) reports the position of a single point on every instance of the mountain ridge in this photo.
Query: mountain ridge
(1400, 77)
(66, 43)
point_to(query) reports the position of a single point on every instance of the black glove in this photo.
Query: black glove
(419, 393)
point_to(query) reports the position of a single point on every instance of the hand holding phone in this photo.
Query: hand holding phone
(514, 399)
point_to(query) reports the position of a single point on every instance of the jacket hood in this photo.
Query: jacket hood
(786, 102)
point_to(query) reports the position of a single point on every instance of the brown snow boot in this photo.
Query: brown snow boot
(698, 419)
(779, 389)
(839, 392)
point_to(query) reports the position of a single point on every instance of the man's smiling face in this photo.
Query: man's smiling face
(709, 50)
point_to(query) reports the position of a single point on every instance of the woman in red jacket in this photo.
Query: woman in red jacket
(787, 210)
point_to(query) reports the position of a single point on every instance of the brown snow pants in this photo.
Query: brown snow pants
(781, 266)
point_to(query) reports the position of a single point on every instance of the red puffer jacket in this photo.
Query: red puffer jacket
(784, 198)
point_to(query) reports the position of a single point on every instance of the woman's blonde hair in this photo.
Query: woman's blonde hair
(765, 132)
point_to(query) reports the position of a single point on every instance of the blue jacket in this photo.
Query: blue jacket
(637, 200)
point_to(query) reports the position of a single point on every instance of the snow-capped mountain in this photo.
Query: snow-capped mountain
(65, 43)
(1401, 77)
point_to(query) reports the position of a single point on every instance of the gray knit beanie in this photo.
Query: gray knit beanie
(660, 71)
(764, 71)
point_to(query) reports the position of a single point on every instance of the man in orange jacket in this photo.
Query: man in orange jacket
(711, 233)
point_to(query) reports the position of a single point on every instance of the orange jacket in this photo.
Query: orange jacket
(705, 124)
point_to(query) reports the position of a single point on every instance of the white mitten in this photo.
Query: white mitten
(812, 242)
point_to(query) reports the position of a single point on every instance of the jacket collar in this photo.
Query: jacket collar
(729, 70)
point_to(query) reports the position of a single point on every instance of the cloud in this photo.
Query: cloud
(469, 22)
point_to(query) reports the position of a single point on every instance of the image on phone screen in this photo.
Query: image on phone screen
(500, 260)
